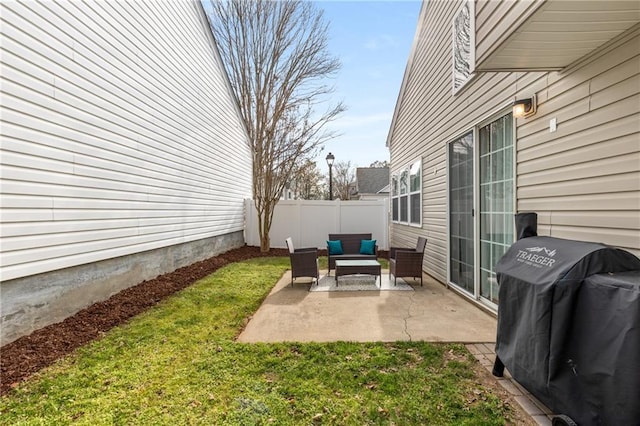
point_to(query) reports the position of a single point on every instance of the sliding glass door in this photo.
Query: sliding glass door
(496, 200)
(461, 235)
(477, 241)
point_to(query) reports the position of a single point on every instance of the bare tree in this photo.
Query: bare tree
(275, 53)
(343, 179)
(379, 163)
(308, 181)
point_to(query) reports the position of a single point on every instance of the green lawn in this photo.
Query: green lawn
(178, 364)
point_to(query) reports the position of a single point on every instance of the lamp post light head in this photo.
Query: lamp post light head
(330, 159)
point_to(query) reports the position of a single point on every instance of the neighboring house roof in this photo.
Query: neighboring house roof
(372, 180)
(385, 190)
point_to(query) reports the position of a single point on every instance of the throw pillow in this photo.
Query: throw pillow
(368, 247)
(334, 247)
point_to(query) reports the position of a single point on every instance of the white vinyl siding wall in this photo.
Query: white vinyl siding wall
(119, 133)
(583, 179)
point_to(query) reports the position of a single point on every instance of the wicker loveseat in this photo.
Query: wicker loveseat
(351, 248)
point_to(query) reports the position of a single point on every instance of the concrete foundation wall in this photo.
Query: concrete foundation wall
(33, 302)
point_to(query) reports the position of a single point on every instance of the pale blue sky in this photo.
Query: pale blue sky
(373, 40)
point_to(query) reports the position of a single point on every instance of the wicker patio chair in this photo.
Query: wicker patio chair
(406, 262)
(304, 262)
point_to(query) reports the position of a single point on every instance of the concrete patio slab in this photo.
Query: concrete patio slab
(430, 313)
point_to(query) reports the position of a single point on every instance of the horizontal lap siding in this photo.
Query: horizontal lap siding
(429, 116)
(496, 20)
(583, 179)
(119, 133)
(407, 141)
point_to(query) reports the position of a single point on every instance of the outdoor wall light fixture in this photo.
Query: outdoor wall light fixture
(330, 159)
(523, 108)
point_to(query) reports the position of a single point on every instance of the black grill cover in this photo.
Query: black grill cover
(568, 327)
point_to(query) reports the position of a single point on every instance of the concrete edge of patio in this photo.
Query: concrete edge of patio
(430, 313)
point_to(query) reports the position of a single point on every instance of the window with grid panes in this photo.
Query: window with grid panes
(406, 194)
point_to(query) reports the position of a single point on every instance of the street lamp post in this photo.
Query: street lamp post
(330, 159)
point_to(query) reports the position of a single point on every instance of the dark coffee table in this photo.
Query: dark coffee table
(353, 267)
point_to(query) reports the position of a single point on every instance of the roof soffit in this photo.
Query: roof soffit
(560, 32)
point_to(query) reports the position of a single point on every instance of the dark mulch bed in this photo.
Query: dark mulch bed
(25, 356)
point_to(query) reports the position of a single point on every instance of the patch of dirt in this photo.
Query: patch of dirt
(487, 380)
(28, 354)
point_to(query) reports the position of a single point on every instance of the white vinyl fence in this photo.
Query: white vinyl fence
(309, 222)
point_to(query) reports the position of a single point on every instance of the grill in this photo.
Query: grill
(569, 326)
